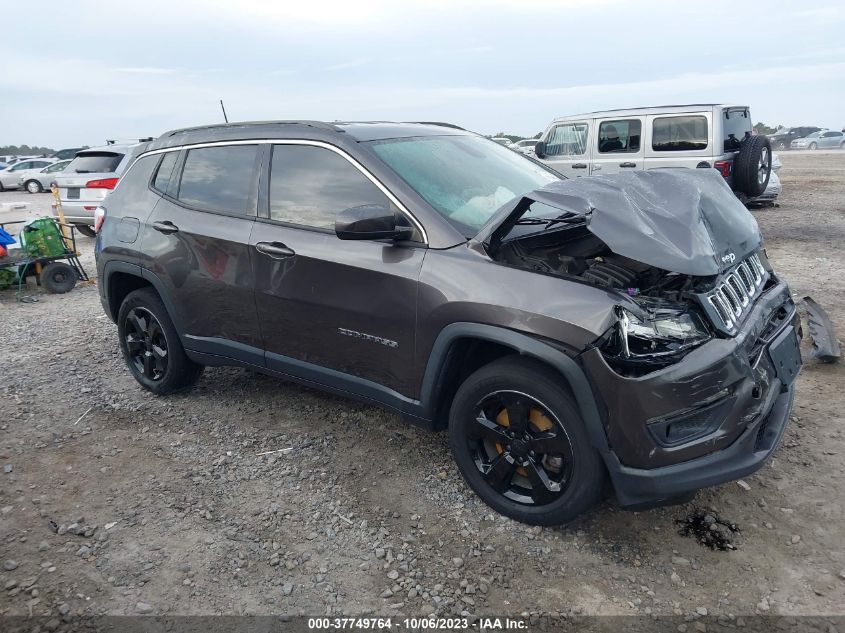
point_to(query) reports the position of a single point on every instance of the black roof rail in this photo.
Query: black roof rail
(236, 124)
(440, 123)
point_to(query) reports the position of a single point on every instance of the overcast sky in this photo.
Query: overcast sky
(86, 71)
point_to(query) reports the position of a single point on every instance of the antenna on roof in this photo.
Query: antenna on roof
(222, 107)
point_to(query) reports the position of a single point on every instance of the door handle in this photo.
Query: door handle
(166, 226)
(579, 166)
(627, 164)
(276, 250)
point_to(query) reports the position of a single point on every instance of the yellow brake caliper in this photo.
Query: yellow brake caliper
(537, 419)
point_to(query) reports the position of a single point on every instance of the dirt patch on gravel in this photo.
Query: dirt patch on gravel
(365, 514)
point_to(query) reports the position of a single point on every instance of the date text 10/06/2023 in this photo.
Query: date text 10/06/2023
(419, 624)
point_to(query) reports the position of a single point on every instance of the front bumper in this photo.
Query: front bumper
(731, 388)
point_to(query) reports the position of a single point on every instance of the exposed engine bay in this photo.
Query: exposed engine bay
(670, 321)
(682, 251)
(575, 252)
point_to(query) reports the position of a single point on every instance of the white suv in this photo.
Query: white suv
(712, 135)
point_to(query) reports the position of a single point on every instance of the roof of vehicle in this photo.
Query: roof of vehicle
(115, 148)
(646, 110)
(355, 130)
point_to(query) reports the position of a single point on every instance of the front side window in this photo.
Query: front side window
(165, 169)
(310, 185)
(220, 178)
(465, 178)
(619, 136)
(55, 167)
(567, 139)
(679, 134)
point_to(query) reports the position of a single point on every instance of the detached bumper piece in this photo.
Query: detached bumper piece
(825, 345)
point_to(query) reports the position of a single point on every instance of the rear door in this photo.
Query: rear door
(568, 148)
(617, 146)
(332, 311)
(196, 243)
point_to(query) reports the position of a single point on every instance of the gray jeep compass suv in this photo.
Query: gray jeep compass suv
(566, 332)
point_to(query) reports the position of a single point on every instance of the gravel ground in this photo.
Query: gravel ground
(114, 501)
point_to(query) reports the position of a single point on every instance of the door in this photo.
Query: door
(617, 146)
(831, 139)
(332, 311)
(567, 148)
(196, 243)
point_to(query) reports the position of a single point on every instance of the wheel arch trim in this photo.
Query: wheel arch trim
(524, 345)
(135, 270)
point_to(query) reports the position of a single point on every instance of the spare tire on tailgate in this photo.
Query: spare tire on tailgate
(753, 166)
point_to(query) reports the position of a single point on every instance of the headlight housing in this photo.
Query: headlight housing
(658, 336)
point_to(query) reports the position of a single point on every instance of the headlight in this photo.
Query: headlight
(665, 332)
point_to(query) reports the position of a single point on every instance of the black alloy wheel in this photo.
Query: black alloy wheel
(520, 448)
(519, 440)
(146, 344)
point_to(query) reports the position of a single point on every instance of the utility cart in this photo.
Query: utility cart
(48, 252)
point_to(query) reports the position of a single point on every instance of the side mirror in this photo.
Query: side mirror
(370, 222)
(540, 149)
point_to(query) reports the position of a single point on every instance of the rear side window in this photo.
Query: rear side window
(679, 134)
(220, 178)
(165, 169)
(567, 139)
(95, 162)
(737, 127)
(311, 185)
(619, 136)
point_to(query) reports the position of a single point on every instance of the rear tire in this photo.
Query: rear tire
(532, 461)
(813, 146)
(151, 346)
(85, 230)
(58, 278)
(781, 146)
(753, 166)
(33, 186)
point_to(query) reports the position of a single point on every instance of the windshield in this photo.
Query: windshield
(465, 178)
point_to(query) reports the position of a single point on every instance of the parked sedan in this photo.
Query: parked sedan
(10, 177)
(823, 139)
(783, 138)
(37, 180)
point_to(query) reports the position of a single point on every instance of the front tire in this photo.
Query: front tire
(813, 146)
(781, 146)
(520, 443)
(33, 186)
(151, 346)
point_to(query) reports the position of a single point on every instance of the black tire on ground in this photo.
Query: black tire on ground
(33, 186)
(86, 230)
(813, 146)
(58, 277)
(781, 146)
(162, 352)
(753, 166)
(581, 475)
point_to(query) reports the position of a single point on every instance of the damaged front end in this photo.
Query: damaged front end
(680, 250)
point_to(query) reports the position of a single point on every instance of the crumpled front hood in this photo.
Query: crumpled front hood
(686, 221)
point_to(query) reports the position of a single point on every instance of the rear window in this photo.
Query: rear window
(679, 134)
(737, 127)
(95, 162)
(165, 169)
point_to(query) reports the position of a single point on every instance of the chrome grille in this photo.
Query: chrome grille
(737, 291)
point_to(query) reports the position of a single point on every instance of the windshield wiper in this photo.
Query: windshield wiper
(569, 218)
